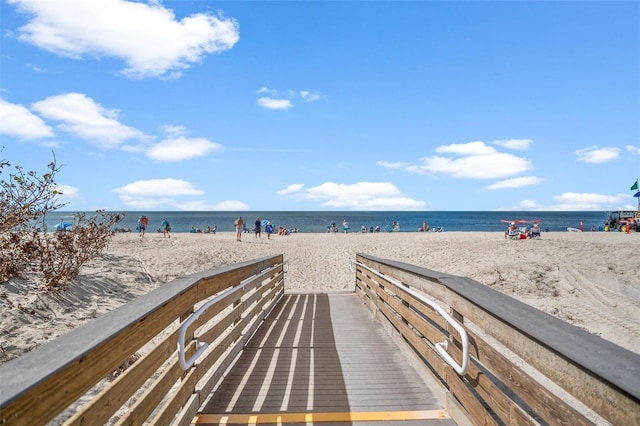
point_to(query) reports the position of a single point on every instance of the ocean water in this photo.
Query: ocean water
(317, 221)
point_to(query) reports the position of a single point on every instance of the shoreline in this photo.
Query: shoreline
(318, 221)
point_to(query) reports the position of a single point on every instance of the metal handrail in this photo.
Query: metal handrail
(202, 346)
(441, 347)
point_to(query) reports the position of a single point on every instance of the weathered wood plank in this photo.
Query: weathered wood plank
(594, 391)
(345, 367)
(219, 361)
(478, 414)
(545, 404)
(435, 362)
(61, 372)
(71, 381)
(189, 382)
(424, 327)
(102, 408)
(600, 374)
(504, 407)
(187, 386)
(138, 413)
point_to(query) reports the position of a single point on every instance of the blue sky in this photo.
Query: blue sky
(325, 105)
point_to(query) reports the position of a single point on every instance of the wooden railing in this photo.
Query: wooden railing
(525, 367)
(66, 381)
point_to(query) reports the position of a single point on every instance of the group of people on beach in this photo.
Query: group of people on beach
(143, 223)
(207, 230)
(393, 227)
(269, 229)
(240, 227)
(515, 233)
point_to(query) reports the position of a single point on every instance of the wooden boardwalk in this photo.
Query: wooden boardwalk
(322, 358)
(325, 359)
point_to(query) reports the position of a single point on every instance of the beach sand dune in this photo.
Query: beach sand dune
(591, 280)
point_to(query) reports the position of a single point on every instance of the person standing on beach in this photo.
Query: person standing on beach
(345, 226)
(165, 227)
(256, 227)
(142, 225)
(239, 224)
(269, 230)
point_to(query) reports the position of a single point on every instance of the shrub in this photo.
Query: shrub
(25, 248)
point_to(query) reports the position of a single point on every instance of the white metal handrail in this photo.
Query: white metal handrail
(441, 347)
(202, 346)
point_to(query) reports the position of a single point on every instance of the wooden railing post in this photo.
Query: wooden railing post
(452, 334)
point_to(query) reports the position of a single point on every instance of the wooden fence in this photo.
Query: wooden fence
(525, 367)
(52, 382)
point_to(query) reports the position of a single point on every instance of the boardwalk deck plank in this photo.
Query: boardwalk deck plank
(323, 353)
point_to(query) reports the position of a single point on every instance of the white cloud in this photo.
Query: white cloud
(147, 36)
(155, 193)
(574, 201)
(270, 103)
(200, 206)
(291, 189)
(577, 197)
(85, 119)
(168, 194)
(158, 187)
(358, 196)
(390, 165)
(518, 182)
(283, 100)
(18, 121)
(633, 149)
(35, 68)
(268, 91)
(474, 160)
(587, 201)
(174, 130)
(182, 148)
(466, 149)
(529, 205)
(308, 96)
(145, 203)
(68, 192)
(517, 144)
(598, 155)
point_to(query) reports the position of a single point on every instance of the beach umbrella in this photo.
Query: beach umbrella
(62, 225)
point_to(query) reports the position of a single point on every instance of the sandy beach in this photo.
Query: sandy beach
(590, 279)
